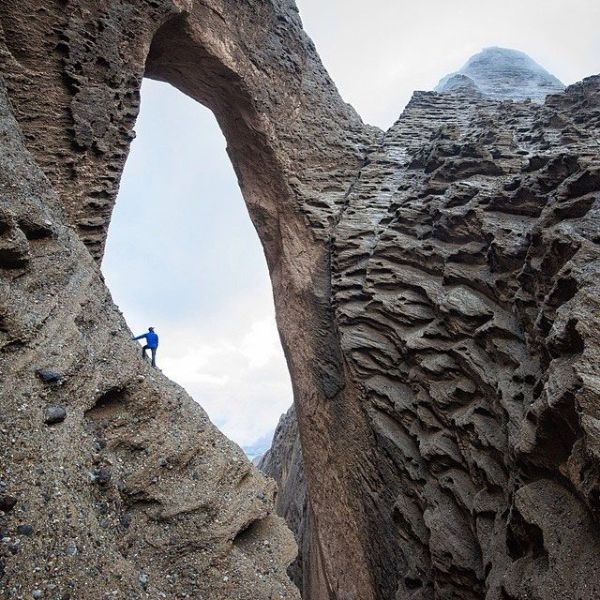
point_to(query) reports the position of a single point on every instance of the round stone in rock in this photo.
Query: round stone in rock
(144, 579)
(25, 529)
(7, 502)
(71, 549)
(37, 593)
(49, 375)
(55, 414)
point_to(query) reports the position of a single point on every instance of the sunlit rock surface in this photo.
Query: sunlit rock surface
(436, 291)
(503, 74)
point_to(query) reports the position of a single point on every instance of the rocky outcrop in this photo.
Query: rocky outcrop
(463, 273)
(466, 310)
(435, 290)
(503, 74)
(113, 482)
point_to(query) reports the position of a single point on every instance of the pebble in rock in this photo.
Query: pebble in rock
(144, 578)
(7, 503)
(55, 414)
(71, 549)
(49, 375)
(126, 519)
(25, 529)
(37, 593)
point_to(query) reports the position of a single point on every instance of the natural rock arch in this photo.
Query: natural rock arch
(295, 155)
(403, 272)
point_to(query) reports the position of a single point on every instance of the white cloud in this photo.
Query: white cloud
(244, 387)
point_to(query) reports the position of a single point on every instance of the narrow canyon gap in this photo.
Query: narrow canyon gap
(435, 294)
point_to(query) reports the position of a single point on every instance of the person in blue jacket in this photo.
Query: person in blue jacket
(151, 344)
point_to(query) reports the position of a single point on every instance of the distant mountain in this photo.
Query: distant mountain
(502, 74)
(259, 446)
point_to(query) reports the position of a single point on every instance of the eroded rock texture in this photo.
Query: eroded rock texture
(436, 295)
(467, 310)
(465, 290)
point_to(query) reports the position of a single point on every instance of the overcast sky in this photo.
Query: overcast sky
(182, 254)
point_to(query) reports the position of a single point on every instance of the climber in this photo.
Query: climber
(151, 344)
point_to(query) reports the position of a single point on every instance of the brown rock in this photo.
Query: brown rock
(436, 294)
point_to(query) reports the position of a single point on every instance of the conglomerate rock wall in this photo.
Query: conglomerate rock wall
(435, 290)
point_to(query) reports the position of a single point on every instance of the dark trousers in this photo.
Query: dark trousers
(153, 351)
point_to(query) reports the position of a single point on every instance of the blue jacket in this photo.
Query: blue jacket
(151, 339)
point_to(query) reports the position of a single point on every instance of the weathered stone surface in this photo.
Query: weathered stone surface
(77, 481)
(296, 148)
(464, 272)
(436, 295)
(55, 414)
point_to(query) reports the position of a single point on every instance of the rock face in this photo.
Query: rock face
(464, 286)
(436, 295)
(503, 74)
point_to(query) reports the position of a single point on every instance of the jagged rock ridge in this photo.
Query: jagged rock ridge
(503, 74)
(436, 294)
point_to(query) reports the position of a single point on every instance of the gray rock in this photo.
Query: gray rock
(71, 548)
(49, 375)
(102, 476)
(126, 519)
(55, 414)
(25, 529)
(144, 579)
(416, 408)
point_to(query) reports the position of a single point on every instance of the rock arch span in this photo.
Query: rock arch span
(295, 156)
(432, 368)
